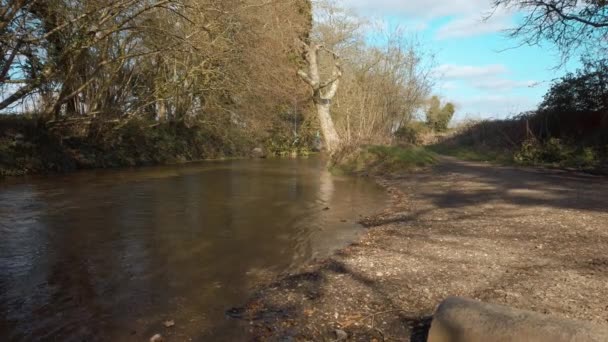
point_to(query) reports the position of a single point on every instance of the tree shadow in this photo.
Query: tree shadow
(446, 201)
(276, 318)
(517, 186)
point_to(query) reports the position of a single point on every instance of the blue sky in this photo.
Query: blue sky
(477, 66)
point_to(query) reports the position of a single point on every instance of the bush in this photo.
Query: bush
(412, 134)
(30, 147)
(556, 152)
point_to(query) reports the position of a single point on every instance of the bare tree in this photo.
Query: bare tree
(572, 25)
(323, 91)
(166, 60)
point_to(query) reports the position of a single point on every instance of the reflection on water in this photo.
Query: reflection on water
(112, 254)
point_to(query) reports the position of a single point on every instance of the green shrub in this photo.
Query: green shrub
(556, 152)
(131, 143)
(412, 133)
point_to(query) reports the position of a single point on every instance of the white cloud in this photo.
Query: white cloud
(494, 106)
(476, 24)
(420, 8)
(449, 85)
(502, 84)
(467, 16)
(460, 72)
(484, 77)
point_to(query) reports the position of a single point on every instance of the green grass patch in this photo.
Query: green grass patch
(470, 153)
(551, 154)
(377, 159)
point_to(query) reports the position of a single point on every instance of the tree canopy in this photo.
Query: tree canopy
(583, 91)
(160, 59)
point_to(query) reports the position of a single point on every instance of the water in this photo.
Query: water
(111, 255)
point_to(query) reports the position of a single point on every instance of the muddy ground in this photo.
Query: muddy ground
(531, 239)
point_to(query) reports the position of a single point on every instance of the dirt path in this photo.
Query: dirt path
(531, 239)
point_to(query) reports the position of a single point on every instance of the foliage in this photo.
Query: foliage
(446, 115)
(292, 134)
(555, 152)
(433, 112)
(438, 118)
(382, 159)
(219, 68)
(412, 133)
(166, 59)
(584, 91)
(31, 146)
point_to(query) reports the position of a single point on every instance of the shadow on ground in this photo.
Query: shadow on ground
(526, 238)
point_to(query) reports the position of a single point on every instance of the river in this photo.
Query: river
(112, 255)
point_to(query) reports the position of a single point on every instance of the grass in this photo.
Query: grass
(377, 159)
(550, 155)
(470, 153)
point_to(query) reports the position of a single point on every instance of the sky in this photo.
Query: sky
(477, 66)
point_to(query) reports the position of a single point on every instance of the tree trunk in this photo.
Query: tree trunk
(322, 96)
(332, 140)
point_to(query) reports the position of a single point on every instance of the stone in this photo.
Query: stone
(462, 319)
(156, 338)
(341, 335)
(258, 152)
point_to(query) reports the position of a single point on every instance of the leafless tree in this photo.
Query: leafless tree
(324, 91)
(215, 61)
(574, 26)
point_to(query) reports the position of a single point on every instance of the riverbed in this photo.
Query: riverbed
(125, 254)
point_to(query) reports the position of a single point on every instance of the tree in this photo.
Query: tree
(218, 61)
(433, 112)
(584, 91)
(572, 25)
(446, 115)
(438, 118)
(323, 91)
(383, 83)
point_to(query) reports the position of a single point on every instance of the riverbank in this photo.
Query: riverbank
(526, 238)
(30, 146)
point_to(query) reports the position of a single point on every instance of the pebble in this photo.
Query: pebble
(341, 335)
(156, 338)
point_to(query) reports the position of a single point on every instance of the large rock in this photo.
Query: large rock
(466, 320)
